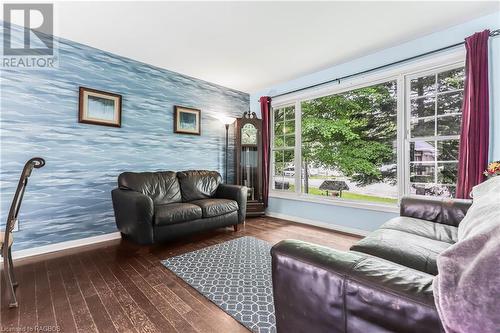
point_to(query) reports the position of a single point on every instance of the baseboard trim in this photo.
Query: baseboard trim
(21, 254)
(64, 245)
(315, 223)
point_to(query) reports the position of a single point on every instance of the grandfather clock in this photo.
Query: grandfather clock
(249, 160)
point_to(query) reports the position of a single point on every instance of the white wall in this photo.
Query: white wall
(368, 219)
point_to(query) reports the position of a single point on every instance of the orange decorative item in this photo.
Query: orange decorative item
(493, 169)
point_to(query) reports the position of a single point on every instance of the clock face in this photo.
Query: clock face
(248, 135)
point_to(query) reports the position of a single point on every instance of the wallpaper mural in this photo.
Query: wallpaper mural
(70, 197)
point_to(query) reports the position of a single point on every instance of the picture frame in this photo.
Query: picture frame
(99, 107)
(187, 120)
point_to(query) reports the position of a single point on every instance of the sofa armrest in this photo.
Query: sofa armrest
(134, 215)
(237, 193)
(318, 289)
(444, 211)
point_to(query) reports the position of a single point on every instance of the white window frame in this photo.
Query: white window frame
(439, 62)
(272, 150)
(435, 138)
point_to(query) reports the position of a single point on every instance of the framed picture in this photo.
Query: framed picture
(187, 120)
(100, 108)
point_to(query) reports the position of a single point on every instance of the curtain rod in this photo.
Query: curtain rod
(493, 33)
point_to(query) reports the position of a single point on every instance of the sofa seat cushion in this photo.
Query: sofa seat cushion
(216, 207)
(176, 213)
(432, 230)
(404, 248)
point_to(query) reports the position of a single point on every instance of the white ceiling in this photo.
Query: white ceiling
(251, 45)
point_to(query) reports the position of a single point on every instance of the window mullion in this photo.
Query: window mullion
(406, 137)
(298, 147)
(435, 127)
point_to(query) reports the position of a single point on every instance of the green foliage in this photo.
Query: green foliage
(353, 132)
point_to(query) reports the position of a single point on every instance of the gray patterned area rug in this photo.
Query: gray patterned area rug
(236, 276)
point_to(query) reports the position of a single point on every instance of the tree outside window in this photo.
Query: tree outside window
(351, 138)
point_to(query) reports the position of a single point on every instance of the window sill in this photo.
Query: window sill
(389, 208)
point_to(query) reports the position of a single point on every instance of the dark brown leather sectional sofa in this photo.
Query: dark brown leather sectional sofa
(383, 284)
(154, 207)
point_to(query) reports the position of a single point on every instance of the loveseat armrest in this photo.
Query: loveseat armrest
(318, 289)
(444, 211)
(237, 193)
(134, 215)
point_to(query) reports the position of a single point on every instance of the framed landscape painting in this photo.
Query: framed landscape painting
(187, 120)
(100, 108)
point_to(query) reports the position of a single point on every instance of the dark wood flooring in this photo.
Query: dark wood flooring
(120, 287)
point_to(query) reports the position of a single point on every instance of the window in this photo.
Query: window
(349, 144)
(283, 149)
(435, 101)
(359, 142)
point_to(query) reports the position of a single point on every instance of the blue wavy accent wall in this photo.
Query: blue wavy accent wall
(70, 197)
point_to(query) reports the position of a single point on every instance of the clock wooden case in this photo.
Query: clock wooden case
(249, 160)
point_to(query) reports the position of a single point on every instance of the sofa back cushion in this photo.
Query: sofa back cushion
(162, 187)
(198, 184)
(444, 211)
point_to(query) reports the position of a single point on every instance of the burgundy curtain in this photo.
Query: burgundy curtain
(265, 113)
(474, 135)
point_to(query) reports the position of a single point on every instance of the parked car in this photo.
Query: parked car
(289, 172)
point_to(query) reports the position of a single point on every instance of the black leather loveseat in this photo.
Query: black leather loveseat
(158, 206)
(383, 284)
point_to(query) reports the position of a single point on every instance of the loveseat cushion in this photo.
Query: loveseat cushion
(439, 210)
(162, 187)
(404, 248)
(432, 230)
(176, 213)
(216, 207)
(198, 184)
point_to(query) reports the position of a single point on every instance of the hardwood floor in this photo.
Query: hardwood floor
(121, 287)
